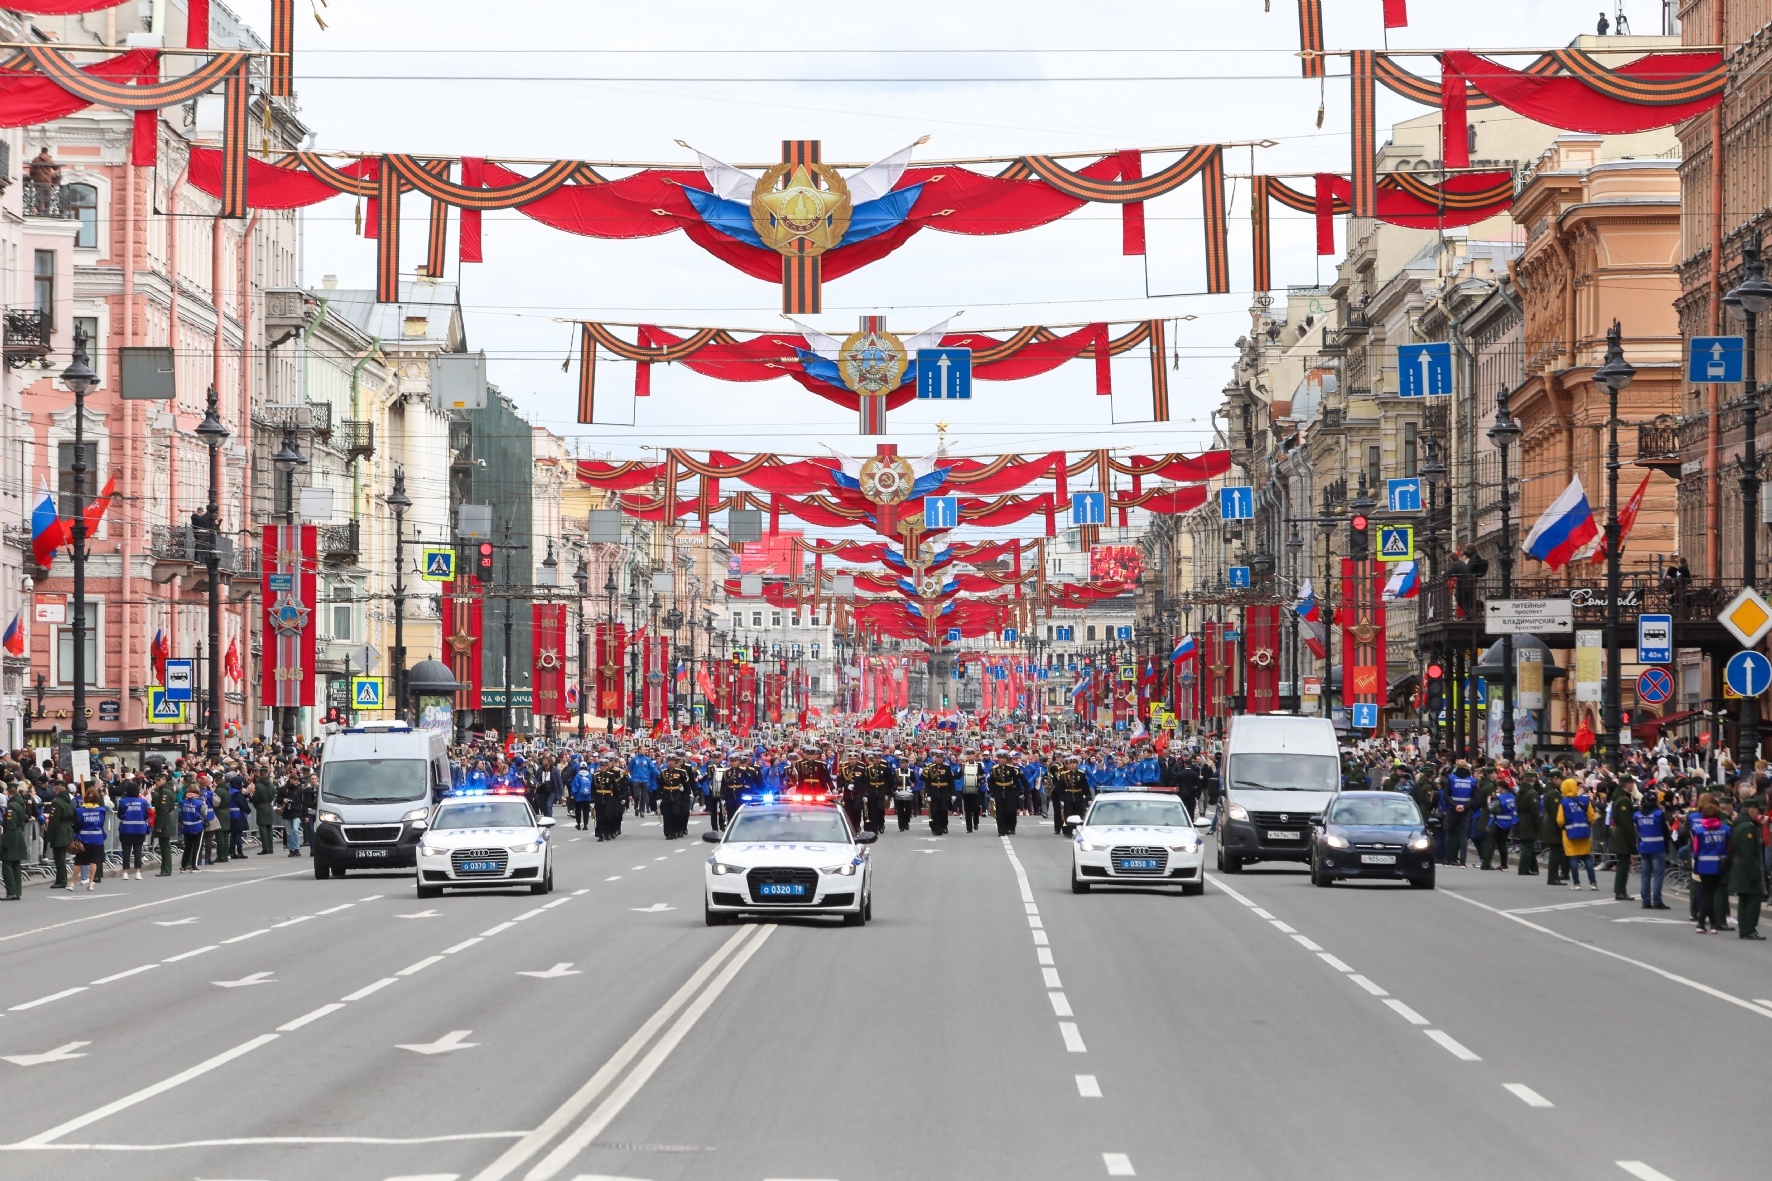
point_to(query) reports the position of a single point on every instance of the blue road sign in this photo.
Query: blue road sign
(941, 512)
(162, 712)
(1011, 634)
(1063, 633)
(1655, 639)
(1748, 673)
(1122, 633)
(1715, 358)
(1424, 370)
(280, 583)
(953, 634)
(1404, 495)
(1654, 686)
(1089, 508)
(180, 677)
(944, 373)
(1239, 577)
(1236, 503)
(1365, 715)
(439, 564)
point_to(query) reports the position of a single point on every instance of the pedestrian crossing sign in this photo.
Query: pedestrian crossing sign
(162, 712)
(1396, 543)
(439, 564)
(366, 692)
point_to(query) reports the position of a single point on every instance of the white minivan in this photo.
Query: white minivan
(377, 784)
(1277, 774)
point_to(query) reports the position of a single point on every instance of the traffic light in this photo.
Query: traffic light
(334, 716)
(1359, 541)
(1433, 686)
(483, 562)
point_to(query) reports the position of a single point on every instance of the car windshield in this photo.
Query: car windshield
(374, 781)
(1397, 812)
(483, 814)
(1285, 772)
(1163, 812)
(798, 826)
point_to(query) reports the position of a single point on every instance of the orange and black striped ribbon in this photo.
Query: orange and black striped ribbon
(387, 235)
(439, 238)
(236, 102)
(124, 94)
(1218, 264)
(1364, 134)
(802, 280)
(587, 373)
(1260, 242)
(1132, 212)
(1310, 37)
(1159, 375)
(283, 46)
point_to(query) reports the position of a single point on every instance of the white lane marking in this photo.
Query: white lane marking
(1564, 906)
(659, 858)
(1452, 1046)
(44, 1000)
(130, 972)
(1035, 922)
(528, 914)
(176, 922)
(59, 1054)
(1088, 1087)
(491, 931)
(111, 914)
(1368, 985)
(421, 914)
(449, 1041)
(369, 988)
(1307, 944)
(246, 981)
(1118, 1164)
(615, 878)
(336, 909)
(291, 922)
(1073, 1041)
(1050, 975)
(655, 908)
(248, 935)
(1262, 914)
(1219, 884)
(464, 945)
(555, 902)
(1338, 965)
(1527, 1095)
(534, 1141)
(636, 867)
(148, 1092)
(431, 1176)
(250, 1141)
(554, 972)
(1763, 1001)
(185, 955)
(1044, 954)
(371, 898)
(1641, 1171)
(606, 1111)
(1283, 927)
(1061, 1005)
(1624, 959)
(413, 969)
(1040, 939)
(1404, 1011)
(1031, 908)
(309, 1018)
(587, 889)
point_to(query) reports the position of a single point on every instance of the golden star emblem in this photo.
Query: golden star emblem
(800, 217)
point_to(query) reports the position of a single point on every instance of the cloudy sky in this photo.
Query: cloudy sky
(599, 81)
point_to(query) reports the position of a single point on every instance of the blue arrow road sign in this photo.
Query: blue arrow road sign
(1654, 686)
(1655, 639)
(1122, 633)
(1715, 358)
(953, 634)
(1089, 508)
(1365, 715)
(1011, 634)
(941, 512)
(1064, 633)
(1404, 495)
(1236, 503)
(1748, 673)
(944, 373)
(1424, 369)
(1239, 577)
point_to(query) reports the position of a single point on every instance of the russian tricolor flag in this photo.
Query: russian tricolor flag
(1404, 582)
(1185, 649)
(48, 531)
(1311, 616)
(1566, 526)
(14, 640)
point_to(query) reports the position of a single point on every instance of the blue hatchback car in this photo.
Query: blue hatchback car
(1372, 834)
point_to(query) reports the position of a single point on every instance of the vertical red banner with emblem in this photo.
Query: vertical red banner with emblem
(655, 675)
(548, 660)
(291, 631)
(610, 679)
(462, 631)
(744, 699)
(772, 691)
(1261, 658)
(722, 695)
(1362, 633)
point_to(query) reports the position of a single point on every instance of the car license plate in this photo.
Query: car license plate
(1282, 836)
(371, 852)
(1378, 859)
(790, 889)
(479, 867)
(1141, 863)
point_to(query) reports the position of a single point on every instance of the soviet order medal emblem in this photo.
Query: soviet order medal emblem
(886, 479)
(872, 362)
(801, 209)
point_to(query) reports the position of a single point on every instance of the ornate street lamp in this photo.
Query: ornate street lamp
(1613, 376)
(1745, 302)
(79, 378)
(1504, 433)
(399, 502)
(206, 536)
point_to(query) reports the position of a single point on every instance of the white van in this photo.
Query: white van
(1276, 775)
(377, 784)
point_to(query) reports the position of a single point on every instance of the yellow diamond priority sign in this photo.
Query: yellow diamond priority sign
(1748, 617)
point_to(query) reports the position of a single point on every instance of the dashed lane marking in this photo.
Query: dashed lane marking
(1527, 1095)
(1051, 976)
(414, 969)
(1451, 1045)
(491, 931)
(1073, 1041)
(1366, 984)
(109, 914)
(1641, 1171)
(1061, 1005)
(1307, 944)
(1333, 962)
(130, 972)
(309, 1018)
(1405, 1012)
(367, 989)
(44, 1000)
(464, 945)
(185, 955)
(1044, 954)
(248, 935)
(1088, 1087)
(1118, 1164)
(336, 909)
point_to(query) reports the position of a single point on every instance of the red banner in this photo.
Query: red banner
(291, 602)
(772, 696)
(463, 627)
(655, 672)
(721, 697)
(548, 656)
(1363, 678)
(1261, 663)
(744, 699)
(611, 670)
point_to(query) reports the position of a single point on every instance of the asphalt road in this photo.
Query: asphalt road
(254, 1023)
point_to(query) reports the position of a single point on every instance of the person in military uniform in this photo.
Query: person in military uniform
(809, 773)
(165, 820)
(676, 786)
(59, 831)
(1070, 793)
(264, 809)
(881, 779)
(610, 787)
(904, 795)
(1747, 870)
(972, 788)
(218, 800)
(1526, 801)
(938, 791)
(1622, 840)
(1550, 808)
(743, 776)
(1008, 788)
(12, 842)
(852, 777)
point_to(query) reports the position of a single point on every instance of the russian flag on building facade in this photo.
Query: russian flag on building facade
(1404, 583)
(1566, 526)
(14, 641)
(1310, 616)
(159, 652)
(1185, 649)
(48, 531)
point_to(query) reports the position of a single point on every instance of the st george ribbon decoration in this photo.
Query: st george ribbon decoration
(290, 596)
(610, 651)
(548, 658)
(1362, 633)
(463, 632)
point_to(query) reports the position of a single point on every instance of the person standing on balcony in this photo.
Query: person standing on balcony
(44, 169)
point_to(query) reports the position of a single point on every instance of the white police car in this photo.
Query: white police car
(485, 840)
(1137, 838)
(789, 859)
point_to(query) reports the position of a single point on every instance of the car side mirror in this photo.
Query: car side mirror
(1073, 820)
(866, 838)
(712, 838)
(544, 822)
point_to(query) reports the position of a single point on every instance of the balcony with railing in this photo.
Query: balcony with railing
(355, 437)
(1444, 608)
(339, 543)
(27, 336)
(1658, 444)
(183, 545)
(305, 416)
(41, 199)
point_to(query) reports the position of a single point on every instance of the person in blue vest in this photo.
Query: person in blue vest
(1653, 840)
(578, 789)
(1503, 814)
(132, 826)
(1146, 772)
(89, 815)
(239, 813)
(194, 814)
(477, 777)
(643, 778)
(1575, 816)
(1461, 789)
(1710, 853)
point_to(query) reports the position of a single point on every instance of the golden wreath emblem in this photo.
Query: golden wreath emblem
(548, 658)
(1262, 657)
(872, 362)
(801, 209)
(886, 479)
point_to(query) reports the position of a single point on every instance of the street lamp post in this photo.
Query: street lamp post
(79, 378)
(633, 654)
(286, 460)
(1503, 434)
(582, 577)
(1433, 474)
(399, 502)
(1749, 298)
(206, 533)
(1614, 375)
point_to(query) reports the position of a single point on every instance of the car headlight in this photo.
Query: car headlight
(1335, 842)
(431, 851)
(329, 818)
(1238, 812)
(1091, 847)
(847, 869)
(534, 846)
(416, 814)
(1420, 843)
(721, 868)
(1187, 846)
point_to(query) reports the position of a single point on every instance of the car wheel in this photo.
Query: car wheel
(715, 920)
(321, 870)
(1426, 883)
(1319, 878)
(856, 919)
(867, 908)
(430, 891)
(338, 871)
(1192, 889)
(1078, 885)
(1230, 862)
